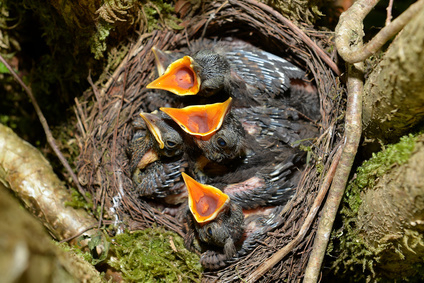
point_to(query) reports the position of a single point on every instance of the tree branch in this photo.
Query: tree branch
(350, 22)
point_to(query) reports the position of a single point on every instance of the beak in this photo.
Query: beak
(151, 121)
(160, 59)
(205, 202)
(179, 78)
(201, 121)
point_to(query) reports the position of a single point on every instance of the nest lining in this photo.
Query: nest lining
(104, 114)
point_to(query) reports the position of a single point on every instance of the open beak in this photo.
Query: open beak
(151, 121)
(205, 202)
(179, 78)
(201, 121)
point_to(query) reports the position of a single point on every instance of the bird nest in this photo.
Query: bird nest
(104, 123)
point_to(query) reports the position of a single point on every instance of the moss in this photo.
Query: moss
(86, 256)
(78, 201)
(353, 251)
(375, 167)
(154, 255)
(306, 11)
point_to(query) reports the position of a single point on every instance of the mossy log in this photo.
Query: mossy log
(384, 215)
(394, 92)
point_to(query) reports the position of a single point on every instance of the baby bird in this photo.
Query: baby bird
(156, 155)
(212, 217)
(250, 75)
(223, 231)
(215, 131)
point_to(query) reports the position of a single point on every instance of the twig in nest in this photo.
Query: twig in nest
(299, 32)
(211, 17)
(46, 128)
(389, 12)
(352, 19)
(352, 136)
(280, 254)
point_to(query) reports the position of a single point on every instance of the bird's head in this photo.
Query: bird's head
(205, 202)
(169, 141)
(204, 74)
(227, 143)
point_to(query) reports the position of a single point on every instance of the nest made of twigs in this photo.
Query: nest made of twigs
(104, 114)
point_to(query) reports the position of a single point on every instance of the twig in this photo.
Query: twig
(298, 32)
(46, 128)
(280, 254)
(352, 20)
(353, 129)
(78, 234)
(389, 12)
(96, 93)
(211, 17)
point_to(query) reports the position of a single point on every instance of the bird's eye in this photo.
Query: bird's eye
(209, 231)
(208, 89)
(171, 144)
(221, 142)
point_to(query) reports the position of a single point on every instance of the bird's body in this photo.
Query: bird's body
(256, 225)
(221, 234)
(268, 162)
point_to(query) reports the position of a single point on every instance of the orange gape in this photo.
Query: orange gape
(205, 202)
(201, 121)
(179, 78)
(184, 78)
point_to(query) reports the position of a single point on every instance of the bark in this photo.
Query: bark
(394, 93)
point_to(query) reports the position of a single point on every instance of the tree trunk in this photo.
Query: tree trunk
(394, 93)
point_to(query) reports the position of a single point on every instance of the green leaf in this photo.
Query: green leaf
(3, 69)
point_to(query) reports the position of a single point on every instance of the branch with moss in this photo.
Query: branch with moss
(27, 253)
(24, 170)
(383, 216)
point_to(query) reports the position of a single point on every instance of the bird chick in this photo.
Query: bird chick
(251, 76)
(156, 155)
(215, 131)
(212, 218)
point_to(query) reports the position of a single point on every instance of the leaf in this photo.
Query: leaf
(3, 69)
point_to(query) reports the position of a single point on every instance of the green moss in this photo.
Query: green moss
(86, 256)
(378, 165)
(78, 201)
(148, 256)
(160, 12)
